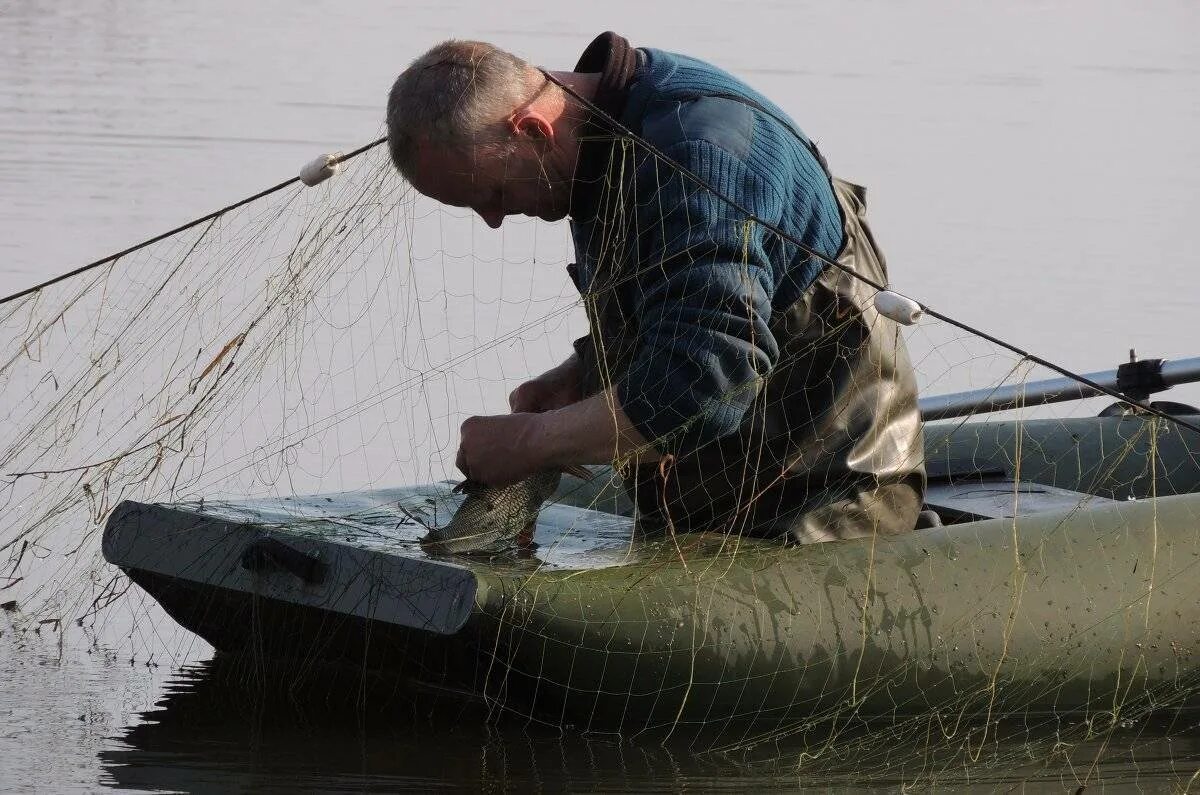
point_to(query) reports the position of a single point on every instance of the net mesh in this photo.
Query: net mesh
(331, 341)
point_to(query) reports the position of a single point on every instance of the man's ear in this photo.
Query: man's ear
(531, 124)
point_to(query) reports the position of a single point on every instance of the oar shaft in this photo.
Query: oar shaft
(1038, 393)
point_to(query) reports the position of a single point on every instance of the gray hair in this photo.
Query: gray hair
(454, 95)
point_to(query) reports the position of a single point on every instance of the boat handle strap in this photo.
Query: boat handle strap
(260, 554)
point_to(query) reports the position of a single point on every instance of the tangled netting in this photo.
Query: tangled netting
(330, 341)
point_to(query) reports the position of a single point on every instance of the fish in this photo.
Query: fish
(491, 518)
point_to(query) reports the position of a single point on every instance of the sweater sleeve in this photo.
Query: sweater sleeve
(701, 299)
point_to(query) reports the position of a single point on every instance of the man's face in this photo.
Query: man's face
(526, 182)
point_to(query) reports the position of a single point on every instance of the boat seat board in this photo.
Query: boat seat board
(974, 499)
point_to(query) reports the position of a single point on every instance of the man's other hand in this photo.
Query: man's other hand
(551, 390)
(500, 450)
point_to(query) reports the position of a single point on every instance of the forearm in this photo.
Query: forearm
(592, 431)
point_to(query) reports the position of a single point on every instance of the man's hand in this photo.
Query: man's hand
(501, 449)
(551, 390)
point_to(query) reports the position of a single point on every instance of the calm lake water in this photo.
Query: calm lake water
(1034, 169)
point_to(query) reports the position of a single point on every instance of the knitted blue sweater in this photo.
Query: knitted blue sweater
(705, 284)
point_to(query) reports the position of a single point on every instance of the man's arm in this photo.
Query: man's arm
(592, 431)
(502, 449)
(702, 298)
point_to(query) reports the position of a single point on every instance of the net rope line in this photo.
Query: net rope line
(617, 126)
(372, 398)
(310, 429)
(687, 174)
(262, 194)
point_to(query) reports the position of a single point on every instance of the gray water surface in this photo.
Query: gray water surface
(1034, 169)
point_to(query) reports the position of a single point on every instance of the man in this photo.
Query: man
(748, 384)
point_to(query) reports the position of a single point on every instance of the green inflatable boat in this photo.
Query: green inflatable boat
(1064, 576)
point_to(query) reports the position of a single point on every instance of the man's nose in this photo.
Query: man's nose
(492, 218)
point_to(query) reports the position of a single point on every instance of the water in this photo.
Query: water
(1032, 170)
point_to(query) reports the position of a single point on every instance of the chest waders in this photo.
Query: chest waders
(832, 445)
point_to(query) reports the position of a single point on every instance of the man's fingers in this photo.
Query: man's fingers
(460, 461)
(523, 398)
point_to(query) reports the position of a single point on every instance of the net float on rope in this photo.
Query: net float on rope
(899, 308)
(320, 169)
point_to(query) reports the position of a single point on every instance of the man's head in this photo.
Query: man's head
(474, 126)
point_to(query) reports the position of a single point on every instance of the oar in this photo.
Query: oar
(1138, 379)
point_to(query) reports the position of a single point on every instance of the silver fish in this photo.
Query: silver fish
(491, 517)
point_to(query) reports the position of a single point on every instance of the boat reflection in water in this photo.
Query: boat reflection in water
(225, 726)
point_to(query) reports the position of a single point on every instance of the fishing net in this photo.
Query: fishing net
(330, 341)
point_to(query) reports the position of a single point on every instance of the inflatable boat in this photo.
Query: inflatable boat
(1062, 574)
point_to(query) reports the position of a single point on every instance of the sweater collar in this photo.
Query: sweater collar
(617, 62)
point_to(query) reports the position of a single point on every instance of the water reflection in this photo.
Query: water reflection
(221, 726)
(227, 725)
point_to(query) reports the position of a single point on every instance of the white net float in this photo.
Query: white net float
(320, 169)
(899, 308)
